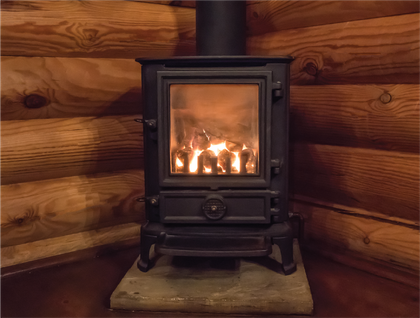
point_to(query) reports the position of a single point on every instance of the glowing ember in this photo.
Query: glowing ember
(214, 150)
(179, 164)
(217, 148)
(194, 161)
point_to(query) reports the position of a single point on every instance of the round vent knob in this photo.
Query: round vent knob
(213, 207)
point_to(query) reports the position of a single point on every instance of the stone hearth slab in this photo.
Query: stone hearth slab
(214, 285)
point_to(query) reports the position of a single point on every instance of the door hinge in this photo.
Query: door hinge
(277, 90)
(276, 165)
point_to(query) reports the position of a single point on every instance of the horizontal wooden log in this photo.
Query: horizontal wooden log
(40, 210)
(42, 149)
(37, 87)
(369, 116)
(270, 16)
(123, 29)
(276, 15)
(378, 51)
(12, 255)
(177, 3)
(354, 260)
(377, 215)
(363, 116)
(95, 29)
(373, 180)
(68, 258)
(373, 240)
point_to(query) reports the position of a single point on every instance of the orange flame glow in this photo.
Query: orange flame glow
(217, 148)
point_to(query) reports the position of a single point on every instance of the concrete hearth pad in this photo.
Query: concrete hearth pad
(213, 285)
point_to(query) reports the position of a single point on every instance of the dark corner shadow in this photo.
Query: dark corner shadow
(186, 35)
(267, 262)
(206, 263)
(129, 103)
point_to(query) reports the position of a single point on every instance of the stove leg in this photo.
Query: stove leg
(286, 249)
(146, 242)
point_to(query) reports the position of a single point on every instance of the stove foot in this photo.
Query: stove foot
(286, 249)
(146, 242)
(143, 265)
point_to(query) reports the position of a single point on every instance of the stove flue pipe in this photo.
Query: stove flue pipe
(221, 27)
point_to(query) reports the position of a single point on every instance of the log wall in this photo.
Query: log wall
(72, 152)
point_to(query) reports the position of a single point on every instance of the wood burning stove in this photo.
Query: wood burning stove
(216, 146)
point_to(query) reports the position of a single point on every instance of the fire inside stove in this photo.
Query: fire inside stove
(214, 129)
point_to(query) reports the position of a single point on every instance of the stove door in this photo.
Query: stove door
(214, 129)
(240, 206)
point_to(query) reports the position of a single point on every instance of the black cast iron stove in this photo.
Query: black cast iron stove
(216, 146)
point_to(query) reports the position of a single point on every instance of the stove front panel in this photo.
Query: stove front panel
(208, 207)
(208, 118)
(214, 129)
(216, 142)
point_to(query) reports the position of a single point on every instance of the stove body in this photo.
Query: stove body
(216, 147)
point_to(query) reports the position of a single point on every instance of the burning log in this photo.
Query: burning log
(185, 156)
(200, 141)
(251, 165)
(248, 161)
(233, 146)
(207, 155)
(215, 139)
(214, 168)
(200, 169)
(225, 160)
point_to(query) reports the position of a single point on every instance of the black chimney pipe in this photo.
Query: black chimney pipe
(221, 27)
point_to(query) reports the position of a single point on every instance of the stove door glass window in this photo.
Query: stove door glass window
(214, 129)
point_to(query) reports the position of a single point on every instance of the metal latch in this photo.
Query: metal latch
(151, 124)
(274, 210)
(296, 217)
(275, 197)
(276, 165)
(153, 200)
(277, 90)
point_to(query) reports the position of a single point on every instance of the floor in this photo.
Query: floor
(82, 289)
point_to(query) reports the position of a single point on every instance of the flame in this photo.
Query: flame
(194, 161)
(237, 163)
(216, 148)
(179, 163)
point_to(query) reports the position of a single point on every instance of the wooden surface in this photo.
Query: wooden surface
(270, 16)
(355, 132)
(40, 210)
(39, 87)
(69, 258)
(357, 116)
(355, 113)
(371, 239)
(276, 15)
(373, 180)
(41, 149)
(177, 3)
(377, 215)
(355, 260)
(80, 290)
(123, 29)
(12, 255)
(211, 285)
(365, 49)
(378, 51)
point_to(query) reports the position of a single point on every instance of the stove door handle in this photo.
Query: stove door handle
(151, 124)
